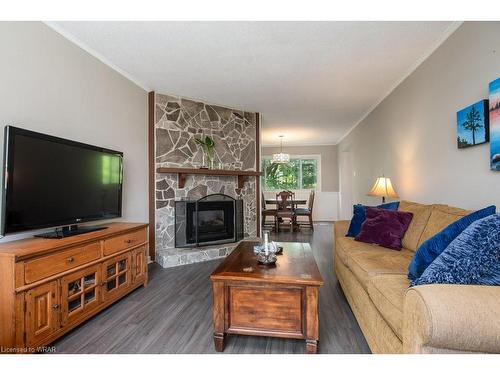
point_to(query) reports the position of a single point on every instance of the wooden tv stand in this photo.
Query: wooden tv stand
(49, 286)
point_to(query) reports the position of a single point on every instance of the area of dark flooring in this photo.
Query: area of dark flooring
(173, 313)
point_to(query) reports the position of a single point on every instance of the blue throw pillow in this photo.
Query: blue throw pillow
(359, 216)
(472, 258)
(432, 247)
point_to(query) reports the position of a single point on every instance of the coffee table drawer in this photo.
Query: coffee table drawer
(124, 241)
(268, 309)
(49, 265)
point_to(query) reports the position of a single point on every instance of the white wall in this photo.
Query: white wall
(325, 205)
(411, 135)
(49, 85)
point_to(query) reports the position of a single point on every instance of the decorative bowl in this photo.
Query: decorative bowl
(257, 249)
(266, 260)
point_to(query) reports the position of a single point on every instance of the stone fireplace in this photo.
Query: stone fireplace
(178, 122)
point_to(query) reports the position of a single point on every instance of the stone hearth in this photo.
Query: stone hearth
(179, 256)
(178, 121)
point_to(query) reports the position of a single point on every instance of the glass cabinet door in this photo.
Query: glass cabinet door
(80, 293)
(116, 275)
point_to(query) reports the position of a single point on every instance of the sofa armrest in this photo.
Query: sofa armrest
(340, 228)
(449, 318)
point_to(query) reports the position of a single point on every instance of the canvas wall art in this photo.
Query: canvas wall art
(494, 108)
(473, 125)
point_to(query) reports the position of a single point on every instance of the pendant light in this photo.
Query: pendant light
(281, 158)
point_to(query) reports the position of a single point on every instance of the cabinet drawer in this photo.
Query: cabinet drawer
(49, 265)
(124, 241)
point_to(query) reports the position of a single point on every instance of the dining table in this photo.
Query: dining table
(295, 202)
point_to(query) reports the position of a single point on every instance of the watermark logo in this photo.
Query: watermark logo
(27, 350)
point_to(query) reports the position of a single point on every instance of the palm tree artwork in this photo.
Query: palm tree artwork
(472, 125)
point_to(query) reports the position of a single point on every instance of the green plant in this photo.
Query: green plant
(208, 146)
(282, 176)
(296, 174)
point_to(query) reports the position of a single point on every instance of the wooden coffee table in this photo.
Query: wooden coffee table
(280, 301)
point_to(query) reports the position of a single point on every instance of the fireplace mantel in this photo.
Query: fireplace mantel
(183, 172)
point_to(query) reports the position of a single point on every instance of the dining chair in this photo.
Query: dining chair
(307, 211)
(285, 209)
(267, 212)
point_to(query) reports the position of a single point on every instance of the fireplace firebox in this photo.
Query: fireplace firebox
(213, 219)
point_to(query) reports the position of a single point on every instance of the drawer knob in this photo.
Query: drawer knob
(70, 260)
(129, 241)
(55, 307)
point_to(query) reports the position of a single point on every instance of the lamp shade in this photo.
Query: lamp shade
(383, 188)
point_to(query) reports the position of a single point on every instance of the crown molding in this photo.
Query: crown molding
(293, 144)
(54, 26)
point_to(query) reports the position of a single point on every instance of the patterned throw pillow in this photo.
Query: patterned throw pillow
(384, 227)
(471, 258)
(359, 216)
(432, 247)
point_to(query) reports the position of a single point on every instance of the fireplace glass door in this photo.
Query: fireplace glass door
(209, 220)
(214, 221)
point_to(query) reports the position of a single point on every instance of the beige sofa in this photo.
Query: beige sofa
(425, 319)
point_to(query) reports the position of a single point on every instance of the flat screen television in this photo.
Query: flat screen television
(50, 182)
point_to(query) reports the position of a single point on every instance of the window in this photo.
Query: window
(299, 173)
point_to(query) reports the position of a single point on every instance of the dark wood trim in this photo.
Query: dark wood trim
(257, 168)
(151, 172)
(211, 172)
(183, 172)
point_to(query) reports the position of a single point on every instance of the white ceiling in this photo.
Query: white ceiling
(311, 81)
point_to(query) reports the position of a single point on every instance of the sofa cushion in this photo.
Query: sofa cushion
(378, 334)
(432, 247)
(387, 293)
(471, 258)
(421, 213)
(379, 261)
(347, 245)
(441, 216)
(359, 216)
(384, 227)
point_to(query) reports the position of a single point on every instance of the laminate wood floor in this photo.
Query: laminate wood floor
(173, 314)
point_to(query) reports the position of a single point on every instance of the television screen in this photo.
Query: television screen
(50, 181)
